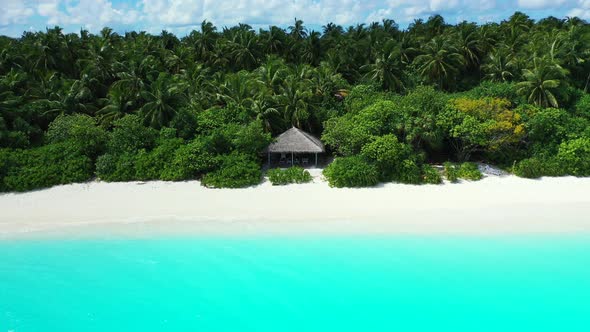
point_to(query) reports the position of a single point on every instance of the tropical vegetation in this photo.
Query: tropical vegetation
(386, 101)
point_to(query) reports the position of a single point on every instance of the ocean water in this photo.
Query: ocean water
(389, 283)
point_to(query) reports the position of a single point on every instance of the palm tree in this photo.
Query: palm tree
(117, 107)
(298, 30)
(296, 102)
(312, 49)
(541, 82)
(499, 67)
(163, 99)
(387, 69)
(272, 73)
(245, 48)
(468, 44)
(440, 62)
(263, 111)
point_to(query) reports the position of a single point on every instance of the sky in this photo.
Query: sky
(182, 16)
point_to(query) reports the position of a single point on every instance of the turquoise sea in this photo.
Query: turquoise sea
(388, 283)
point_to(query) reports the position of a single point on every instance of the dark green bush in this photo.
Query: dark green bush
(573, 157)
(44, 167)
(431, 175)
(470, 171)
(190, 162)
(503, 90)
(466, 171)
(81, 131)
(293, 174)
(130, 135)
(349, 133)
(451, 172)
(151, 165)
(583, 106)
(116, 167)
(351, 172)
(393, 159)
(237, 171)
(531, 168)
(410, 173)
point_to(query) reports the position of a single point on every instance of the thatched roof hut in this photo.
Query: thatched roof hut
(296, 141)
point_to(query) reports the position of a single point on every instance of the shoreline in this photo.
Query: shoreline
(495, 205)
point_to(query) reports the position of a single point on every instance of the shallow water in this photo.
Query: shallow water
(394, 283)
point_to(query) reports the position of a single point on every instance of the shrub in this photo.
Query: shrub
(574, 156)
(185, 122)
(431, 175)
(351, 172)
(293, 174)
(531, 168)
(451, 172)
(583, 106)
(151, 165)
(190, 161)
(502, 90)
(470, 171)
(392, 159)
(348, 134)
(130, 135)
(44, 167)
(410, 173)
(237, 171)
(81, 131)
(116, 167)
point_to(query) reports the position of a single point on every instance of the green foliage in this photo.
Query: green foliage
(190, 162)
(186, 123)
(466, 171)
(486, 125)
(79, 130)
(394, 160)
(43, 167)
(351, 172)
(499, 90)
(451, 172)
(228, 89)
(574, 156)
(293, 174)
(250, 139)
(363, 96)
(431, 175)
(130, 135)
(470, 171)
(237, 170)
(154, 164)
(582, 106)
(116, 167)
(349, 133)
(536, 167)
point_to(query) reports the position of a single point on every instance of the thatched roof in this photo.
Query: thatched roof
(296, 140)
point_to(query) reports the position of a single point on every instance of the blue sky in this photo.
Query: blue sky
(180, 16)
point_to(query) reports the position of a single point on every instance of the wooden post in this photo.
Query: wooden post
(269, 159)
(316, 159)
(292, 159)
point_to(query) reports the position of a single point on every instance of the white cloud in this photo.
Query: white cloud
(582, 9)
(15, 11)
(408, 10)
(228, 12)
(541, 4)
(91, 14)
(182, 15)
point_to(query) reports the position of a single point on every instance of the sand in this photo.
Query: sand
(494, 205)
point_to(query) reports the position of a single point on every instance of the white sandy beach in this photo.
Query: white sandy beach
(505, 205)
